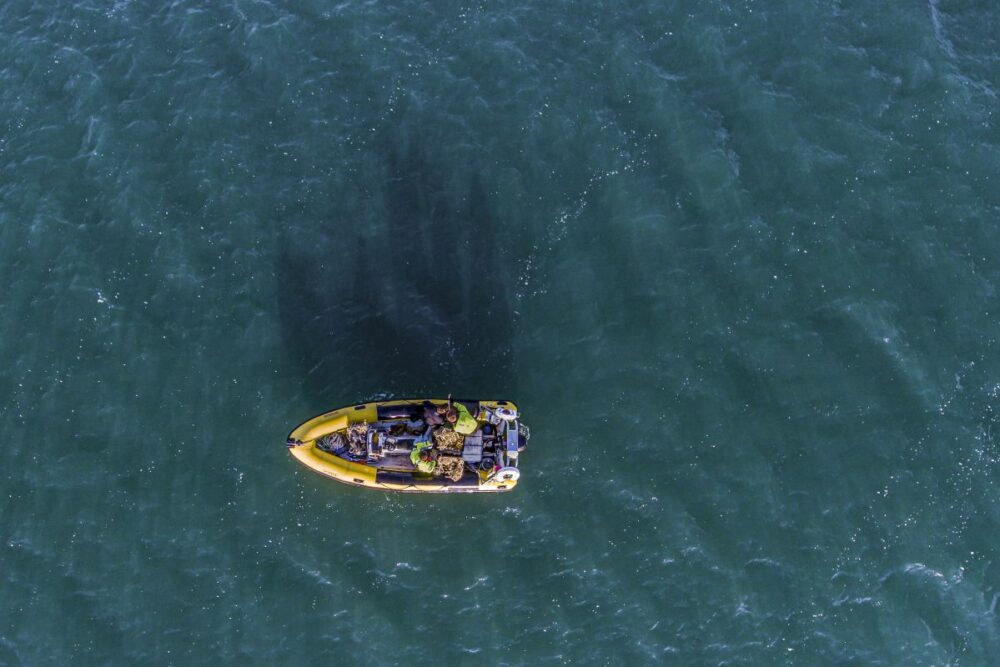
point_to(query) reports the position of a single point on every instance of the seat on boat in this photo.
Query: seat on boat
(472, 449)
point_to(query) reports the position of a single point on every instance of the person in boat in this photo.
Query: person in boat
(433, 415)
(461, 420)
(424, 456)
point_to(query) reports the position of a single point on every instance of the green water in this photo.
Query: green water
(736, 262)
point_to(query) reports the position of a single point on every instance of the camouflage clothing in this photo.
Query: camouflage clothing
(357, 439)
(333, 443)
(448, 441)
(451, 467)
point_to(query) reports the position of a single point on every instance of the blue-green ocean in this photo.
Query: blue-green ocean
(737, 262)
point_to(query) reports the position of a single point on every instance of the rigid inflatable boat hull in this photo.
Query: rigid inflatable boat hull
(302, 444)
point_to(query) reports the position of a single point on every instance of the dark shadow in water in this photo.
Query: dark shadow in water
(415, 305)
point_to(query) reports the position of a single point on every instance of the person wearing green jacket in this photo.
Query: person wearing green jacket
(461, 420)
(423, 456)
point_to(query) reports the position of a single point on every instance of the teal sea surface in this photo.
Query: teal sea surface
(737, 263)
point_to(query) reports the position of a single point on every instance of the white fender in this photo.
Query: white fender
(506, 414)
(508, 474)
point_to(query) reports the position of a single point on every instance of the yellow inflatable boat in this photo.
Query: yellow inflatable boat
(416, 445)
